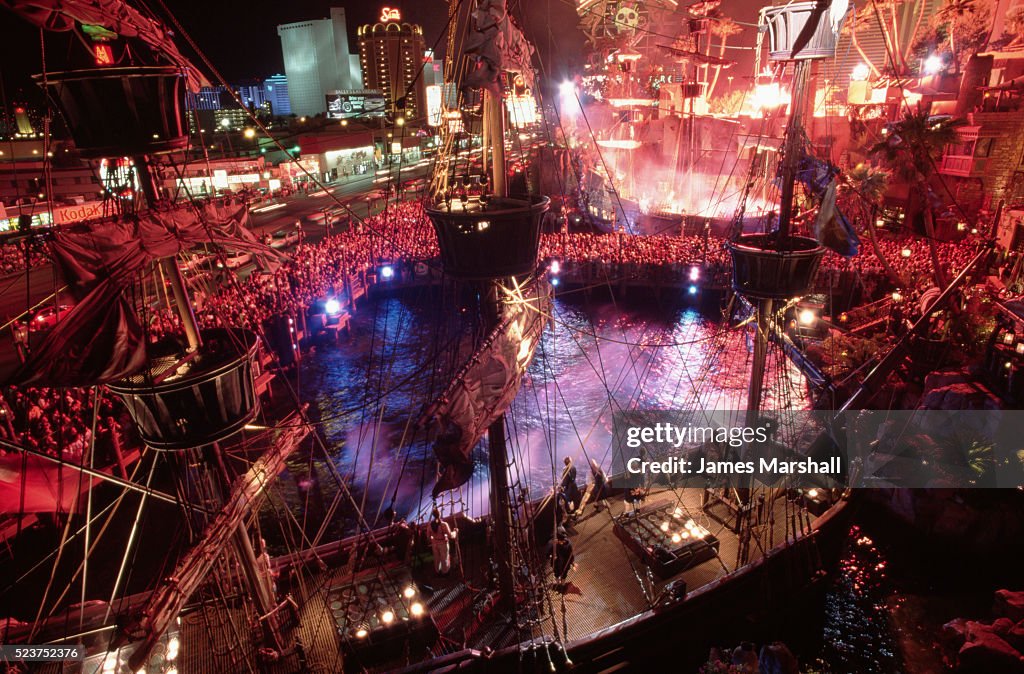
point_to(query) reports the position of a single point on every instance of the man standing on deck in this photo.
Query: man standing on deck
(440, 536)
(569, 488)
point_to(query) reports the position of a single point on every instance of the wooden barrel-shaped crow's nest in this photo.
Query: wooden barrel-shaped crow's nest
(490, 239)
(801, 31)
(121, 111)
(767, 267)
(183, 403)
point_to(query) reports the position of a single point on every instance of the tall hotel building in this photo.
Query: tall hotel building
(316, 60)
(391, 55)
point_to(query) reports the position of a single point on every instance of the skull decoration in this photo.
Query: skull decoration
(626, 19)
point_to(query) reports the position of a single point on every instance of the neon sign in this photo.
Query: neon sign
(390, 14)
(103, 54)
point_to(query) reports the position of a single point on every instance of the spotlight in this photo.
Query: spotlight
(812, 493)
(554, 281)
(332, 307)
(807, 317)
(692, 290)
(387, 617)
(664, 526)
(361, 633)
(933, 64)
(408, 592)
(416, 609)
(387, 272)
(694, 274)
(567, 89)
(556, 266)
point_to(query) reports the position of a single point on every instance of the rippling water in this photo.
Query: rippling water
(595, 358)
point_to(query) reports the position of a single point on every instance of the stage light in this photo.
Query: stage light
(677, 513)
(387, 617)
(694, 274)
(249, 133)
(332, 307)
(933, 64)
(408, 592)
(416, 609)
(692, 290)
(567, 89)
(807, 317)
(554, 281)
(664, 526)
(361, 633)
(860, 72)
(812, 493)
(676, 538)
(387, 272)
(172, 648)
(556, 266)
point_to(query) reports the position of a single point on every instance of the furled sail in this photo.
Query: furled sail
(496, 45)
(115, 15)
(486, 385)
(100, 339)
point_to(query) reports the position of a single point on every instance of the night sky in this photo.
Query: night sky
(241, 37)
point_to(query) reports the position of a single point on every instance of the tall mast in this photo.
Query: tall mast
(497, 459)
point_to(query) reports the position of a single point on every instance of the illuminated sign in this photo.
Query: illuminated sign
(103, 54)
(522, 110)
(434, 105)
(390, 14)
(341, 106)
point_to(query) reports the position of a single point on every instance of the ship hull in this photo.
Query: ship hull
(678, 631)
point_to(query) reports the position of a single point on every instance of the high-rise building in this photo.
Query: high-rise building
(391, 55)
(316, 60)
(276, 87)
(208, 98)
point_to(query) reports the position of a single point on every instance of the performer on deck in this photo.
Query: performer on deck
(600, 483)
(440, 536)
(569, 487)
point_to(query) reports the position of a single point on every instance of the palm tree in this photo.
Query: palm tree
(723, 28)
(861, 196)
(882, 15)
(911, 149)
(951, 14)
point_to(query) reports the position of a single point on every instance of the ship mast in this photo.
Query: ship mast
(497, 457)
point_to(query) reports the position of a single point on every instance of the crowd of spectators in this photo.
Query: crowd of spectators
(401, 235)
(12, 259)
(59, 422)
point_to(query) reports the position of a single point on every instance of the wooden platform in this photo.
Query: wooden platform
(609, 585)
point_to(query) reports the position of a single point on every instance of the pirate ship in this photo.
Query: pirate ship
(657, 562)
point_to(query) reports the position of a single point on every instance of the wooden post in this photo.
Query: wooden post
(495, 117)
(168, 265)
(794, 141)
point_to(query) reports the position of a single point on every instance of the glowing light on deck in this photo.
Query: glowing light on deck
(619, 144)
(633, 102)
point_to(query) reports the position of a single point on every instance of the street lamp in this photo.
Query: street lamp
(249, 133)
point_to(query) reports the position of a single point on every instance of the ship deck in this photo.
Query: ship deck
(609, 584)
